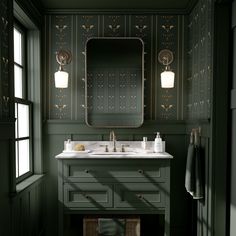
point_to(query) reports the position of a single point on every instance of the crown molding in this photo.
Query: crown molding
(116, 11)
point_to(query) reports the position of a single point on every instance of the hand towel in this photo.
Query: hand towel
(190, 170)
(194, 172)
(111, 227)
(198, 191)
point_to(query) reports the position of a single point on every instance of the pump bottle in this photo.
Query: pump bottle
(158, 143)
(68, 145)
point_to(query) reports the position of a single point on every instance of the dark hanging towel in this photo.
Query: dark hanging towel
(198, 192)
(193, 175)
(190, 170)
(111, 227)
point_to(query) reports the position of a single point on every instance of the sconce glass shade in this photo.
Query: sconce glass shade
(63, 58)
(167, 79)
(165, 57)
(61, 79)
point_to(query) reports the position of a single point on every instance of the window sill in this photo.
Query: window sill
(28, 182)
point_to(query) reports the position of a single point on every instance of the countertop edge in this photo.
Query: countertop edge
(111, 157)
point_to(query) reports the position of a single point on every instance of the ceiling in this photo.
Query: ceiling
(118, 4)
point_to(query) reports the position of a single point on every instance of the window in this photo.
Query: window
(23, 107)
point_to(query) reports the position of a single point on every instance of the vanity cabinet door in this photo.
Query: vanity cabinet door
(139, 195)
(88, 195)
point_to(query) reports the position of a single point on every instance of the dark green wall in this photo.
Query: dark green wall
(220, 116)
(28, 210)
(199, 102)
(21, 211)
(190, 39)
(210, 72)
(64, 115)
(157, 31)
(200, 61)
(6, 121)
(6, 57)
(164, 108)
(5, 189)
(233, 128)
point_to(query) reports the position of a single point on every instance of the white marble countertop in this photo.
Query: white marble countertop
(93, 150)
(163, 155)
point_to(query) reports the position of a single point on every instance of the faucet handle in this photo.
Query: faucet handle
(123, 147)
(106, 147)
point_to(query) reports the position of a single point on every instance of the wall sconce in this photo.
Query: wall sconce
(165, 57)
(63, 58)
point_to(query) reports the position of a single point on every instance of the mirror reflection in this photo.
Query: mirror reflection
(114, 83)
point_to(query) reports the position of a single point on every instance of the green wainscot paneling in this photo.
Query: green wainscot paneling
(28, 210)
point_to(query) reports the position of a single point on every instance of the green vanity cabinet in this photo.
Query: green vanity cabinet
(101, 186)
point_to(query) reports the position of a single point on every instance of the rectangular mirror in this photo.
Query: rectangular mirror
(114, 82)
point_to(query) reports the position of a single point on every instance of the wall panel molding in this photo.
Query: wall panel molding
(220, 119)
(118, 11)
(70, 127)
(28, 216)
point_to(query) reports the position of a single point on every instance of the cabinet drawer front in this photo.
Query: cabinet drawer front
(88, 195)
(136, 195)
(118, 171)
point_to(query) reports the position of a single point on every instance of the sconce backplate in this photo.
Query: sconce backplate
(63, 57)
(165, 57)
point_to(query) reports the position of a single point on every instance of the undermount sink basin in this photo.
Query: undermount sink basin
(112, 153)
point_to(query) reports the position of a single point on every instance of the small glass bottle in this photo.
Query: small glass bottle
(144, 143)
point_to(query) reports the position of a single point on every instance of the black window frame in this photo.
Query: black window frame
(24, 100)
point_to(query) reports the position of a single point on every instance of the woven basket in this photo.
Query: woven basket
(90, 227)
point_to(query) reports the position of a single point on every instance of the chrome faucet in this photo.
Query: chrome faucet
(113, 140)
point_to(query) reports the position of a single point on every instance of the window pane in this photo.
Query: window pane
(17, 167)
(24, 164)
(23, 120)
(18, 81)
(17, 47)
(16, 123)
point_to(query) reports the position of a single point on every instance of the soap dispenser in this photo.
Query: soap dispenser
(158, 143)
(68, 145)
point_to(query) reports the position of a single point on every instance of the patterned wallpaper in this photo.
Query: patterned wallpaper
(200, 61)
(4, 60)
(72, 31)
